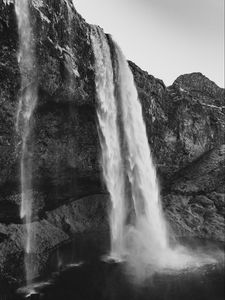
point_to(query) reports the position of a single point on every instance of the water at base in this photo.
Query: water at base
(27, 103)
(97, 280)
(84, 276)
(138, 228)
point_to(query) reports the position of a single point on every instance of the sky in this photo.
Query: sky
(167, 38)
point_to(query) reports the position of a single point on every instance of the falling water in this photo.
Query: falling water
(140, 170)
(141, 238)
(122, 95)
(112, 162)
(27, 102)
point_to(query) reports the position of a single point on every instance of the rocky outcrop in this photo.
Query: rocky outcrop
(64, 135)
(186, 130)
(84, 216)
(195, 204)
(196, 118)
(185, 127)
(184, 120)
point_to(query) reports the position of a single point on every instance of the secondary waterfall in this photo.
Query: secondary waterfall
(27, 103)
(138, 228)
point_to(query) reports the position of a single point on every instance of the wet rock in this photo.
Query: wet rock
(64, 139)
(82, 216)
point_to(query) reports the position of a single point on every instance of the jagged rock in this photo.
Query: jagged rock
(86, 215)
(184, 120)
(64, 136)
(218, 199)
(207, 92)
(202, 200)
(196, 119)
(204, 175)
(196, 199)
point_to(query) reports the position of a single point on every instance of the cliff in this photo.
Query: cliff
(185, 126)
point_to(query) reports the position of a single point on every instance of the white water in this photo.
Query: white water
(144, 240)
(112, 163)
(139, 166)
(27, 103)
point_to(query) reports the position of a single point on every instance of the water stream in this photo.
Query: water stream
(27, 103)
(112, 163)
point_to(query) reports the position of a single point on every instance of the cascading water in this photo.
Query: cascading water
(112, 162)
(27, 103)
(140, 170)
(138, 162)
(128, 169)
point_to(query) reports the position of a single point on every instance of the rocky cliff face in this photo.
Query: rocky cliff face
(184, 120)
(185, 126)
(64, 135)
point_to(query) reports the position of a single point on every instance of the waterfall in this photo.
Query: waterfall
(112, 163)
(140, 170)
(116, 92)
(27, 103)
(139, 232)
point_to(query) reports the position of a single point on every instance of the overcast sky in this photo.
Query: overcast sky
(167, 38)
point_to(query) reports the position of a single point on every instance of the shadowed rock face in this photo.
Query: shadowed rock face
(64, 139)
(185, 126)
(58, 227)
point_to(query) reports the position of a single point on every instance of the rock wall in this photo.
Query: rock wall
(64, 138)
(186, 131)
(184, 120)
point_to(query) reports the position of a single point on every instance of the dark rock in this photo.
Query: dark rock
(204, 175)
(202, 200)
(197, 85)
(218, 199)
(65, 153)
(183, 121)
(195, 201)
(2, 237)
(222, 212)
(83, 216)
